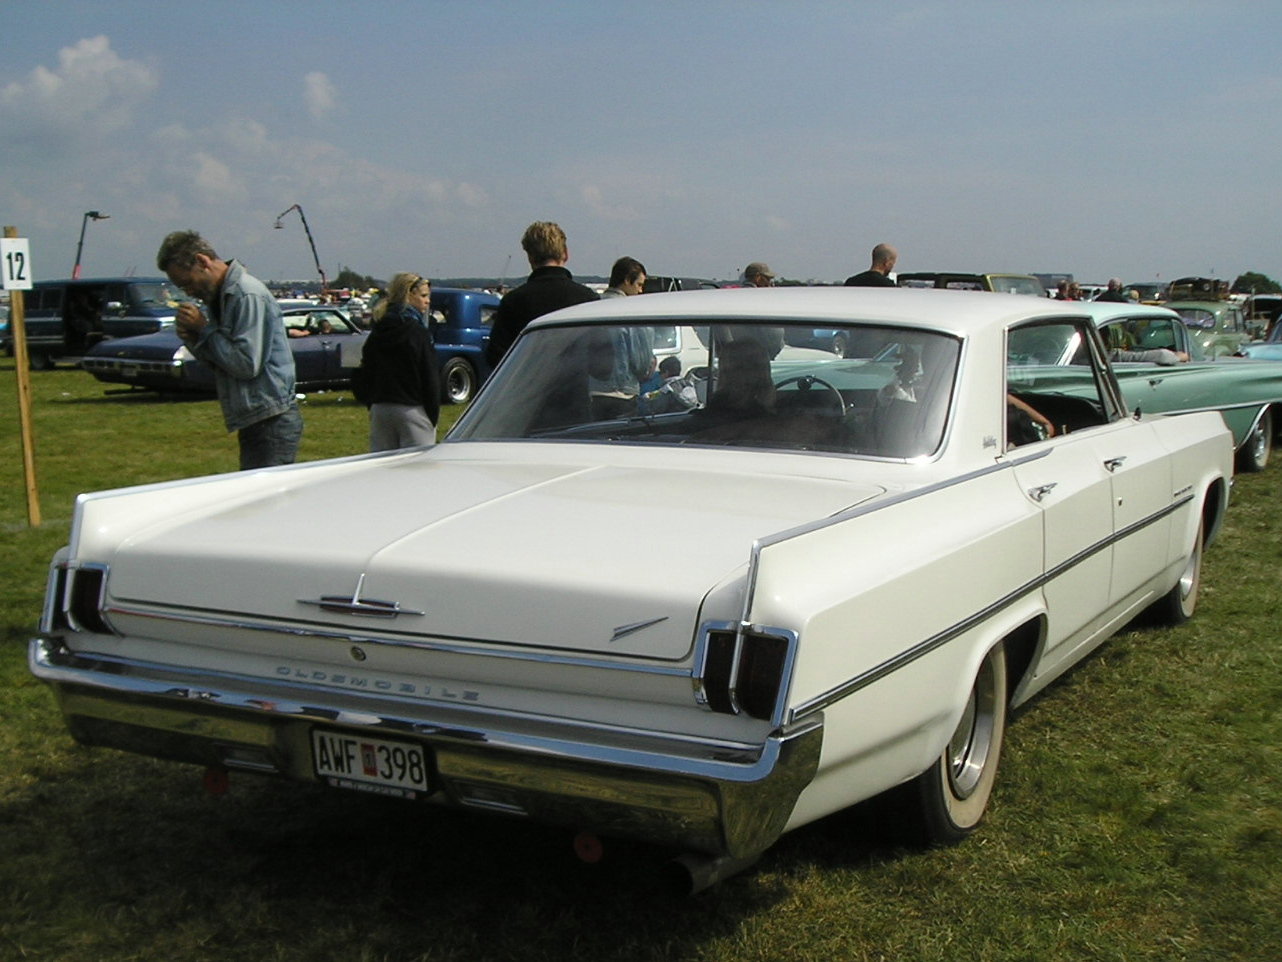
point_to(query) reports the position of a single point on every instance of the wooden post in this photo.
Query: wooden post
(17, 320)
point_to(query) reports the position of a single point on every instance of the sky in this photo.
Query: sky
(1133, 139)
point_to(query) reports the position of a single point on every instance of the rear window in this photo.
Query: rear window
(730, 384)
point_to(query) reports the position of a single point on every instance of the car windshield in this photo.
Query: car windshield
(153, 295)
(1005, 284)
(1127, 337)
(722, 384)
(1196, 317)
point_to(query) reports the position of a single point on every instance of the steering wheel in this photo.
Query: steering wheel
(805, 381)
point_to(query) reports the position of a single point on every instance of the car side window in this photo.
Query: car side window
(1044, 399)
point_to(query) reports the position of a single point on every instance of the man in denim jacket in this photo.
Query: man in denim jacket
(242, 337)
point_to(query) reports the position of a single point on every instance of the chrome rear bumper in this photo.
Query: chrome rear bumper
(709, 796)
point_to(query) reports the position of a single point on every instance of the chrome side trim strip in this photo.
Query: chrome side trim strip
(1212, 408)
(925, 647)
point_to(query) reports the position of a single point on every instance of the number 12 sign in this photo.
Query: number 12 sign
(15, 263)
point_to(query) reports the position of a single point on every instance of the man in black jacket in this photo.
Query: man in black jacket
(550, 287)
(878, 275)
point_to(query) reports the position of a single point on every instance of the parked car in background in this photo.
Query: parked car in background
(662, 284)
(1000, 283)
(460, 324)
(1143, 341)
(1262, 313)
(1219, 323)
(323, 340)
(773, 665)
(1269, 349)
(64, 318)
(1147, 292)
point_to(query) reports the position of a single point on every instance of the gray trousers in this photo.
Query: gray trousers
(393, 426)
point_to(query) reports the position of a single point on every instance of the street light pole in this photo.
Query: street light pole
(89, 215)
(279, 226)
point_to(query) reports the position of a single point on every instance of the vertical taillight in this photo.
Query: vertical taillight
(744, 671)
(75, 599)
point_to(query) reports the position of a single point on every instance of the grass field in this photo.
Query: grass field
(1136, 816)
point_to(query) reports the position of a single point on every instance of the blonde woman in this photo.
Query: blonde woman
(398, 379)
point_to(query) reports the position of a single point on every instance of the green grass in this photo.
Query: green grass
(1136, 816)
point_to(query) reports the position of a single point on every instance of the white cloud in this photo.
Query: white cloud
(214, 180)
(319, 94)
(92, 92)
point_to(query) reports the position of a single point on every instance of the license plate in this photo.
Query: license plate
(370, 764)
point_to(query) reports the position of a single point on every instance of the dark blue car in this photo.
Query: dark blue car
(325, 344)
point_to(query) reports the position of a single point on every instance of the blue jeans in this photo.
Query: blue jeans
(273, 440)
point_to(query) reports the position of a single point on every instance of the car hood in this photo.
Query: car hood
(158, 346)
(555, 555)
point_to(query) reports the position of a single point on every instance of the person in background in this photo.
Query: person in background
(399, 379)
(758, 274)
(628, 359)
(1113, 292)
(241, 335)
(549, 287)
(878, 275)
(627, 277)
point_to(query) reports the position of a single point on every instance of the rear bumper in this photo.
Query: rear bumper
(707, 796)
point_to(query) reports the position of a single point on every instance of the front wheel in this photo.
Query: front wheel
(1255, 451)
(953, 793)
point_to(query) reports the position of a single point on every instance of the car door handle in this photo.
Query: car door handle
(1041, 491)
(1112, 464)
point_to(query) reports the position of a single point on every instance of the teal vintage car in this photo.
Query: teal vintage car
(1161, 367)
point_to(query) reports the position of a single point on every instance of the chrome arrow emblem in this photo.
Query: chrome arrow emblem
(624, 630)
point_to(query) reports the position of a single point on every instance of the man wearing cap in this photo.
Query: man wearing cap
(878, 275)
(758, 274)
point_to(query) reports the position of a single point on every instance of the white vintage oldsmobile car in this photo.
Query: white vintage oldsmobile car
(700, 617)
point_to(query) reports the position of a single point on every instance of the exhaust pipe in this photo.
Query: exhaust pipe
(692, 873)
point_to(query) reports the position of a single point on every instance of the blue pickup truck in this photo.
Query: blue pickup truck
(460, 326)
(63, 319)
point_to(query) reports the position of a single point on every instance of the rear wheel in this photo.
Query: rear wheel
(953, 793)
(1255, 451)
(458, 381)
(1177, 605)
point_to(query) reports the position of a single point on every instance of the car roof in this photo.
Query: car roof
(1104, 311)
(130, 279)
(958, 312)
